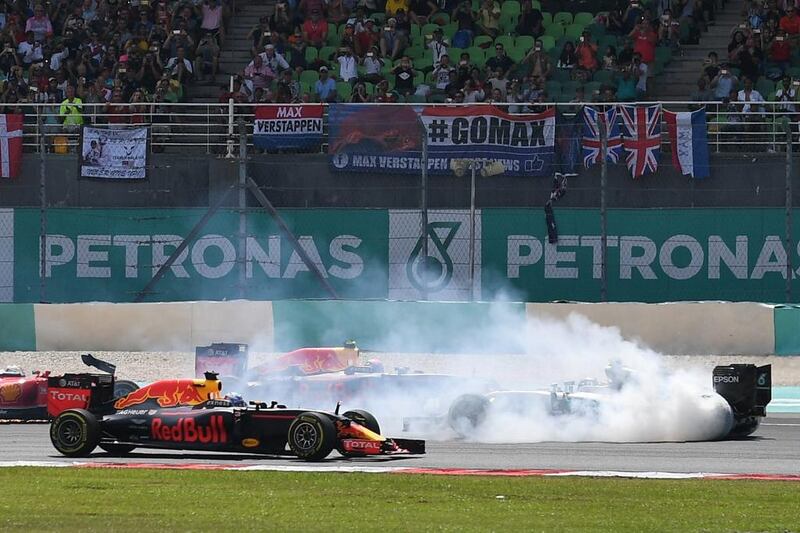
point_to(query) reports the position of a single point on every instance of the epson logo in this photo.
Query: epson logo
(726, 379)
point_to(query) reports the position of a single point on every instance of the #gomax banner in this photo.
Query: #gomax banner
(444, 274)
(524, 144)
(288, 127)
(114, 153)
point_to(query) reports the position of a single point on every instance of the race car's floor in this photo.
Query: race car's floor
(772, 450)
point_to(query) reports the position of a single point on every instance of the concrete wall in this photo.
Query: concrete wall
(678, 329)
(307, 181)
(718, 328)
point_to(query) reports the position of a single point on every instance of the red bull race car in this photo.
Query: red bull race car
(318, 377)
(41, 396)
(189, 414)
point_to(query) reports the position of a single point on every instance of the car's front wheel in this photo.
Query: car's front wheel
(75, 433)
(312, 436)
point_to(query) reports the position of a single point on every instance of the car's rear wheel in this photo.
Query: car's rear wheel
(467, 413)
(312, 436)
(364, 418)
(123, 387)
(75, 433)
(114, 448)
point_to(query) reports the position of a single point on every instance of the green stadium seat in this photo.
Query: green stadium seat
(507, 41)
(547, 19)
(562, 74)
(333, 35)
(591, 87)
(526, 42)
(428, 29)
(517, 54)
(553, 87)
(508, 23)
(765, 86)
(344, 90)
(309, 76)
(370, 87)
(570, 86)
(510, 7)
(603, 76)
(415, 31)
(441, 18)
(311, 54)
(414, 52)
(555, 31)
(419, 77)
(455, 53)
(450, 29)
(415, 99)
(477, 55)
(305, 87)
(583, 18)
(573, 31)
(326, 51)
(794, 72)
(535, 4)
(423, 63)
(548, 42)
(605, 42)
(482, 41)
(378, 17)
(562, 17)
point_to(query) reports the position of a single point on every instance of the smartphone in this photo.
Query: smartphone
(582, 38)
(122, 70)
(370, 54)
(757, 31)
(724, 72)
(387, 28)
(176, 32)
(429, 37)
(779, 38)
(796, 83)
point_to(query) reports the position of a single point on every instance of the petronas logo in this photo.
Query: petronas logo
(434, 272)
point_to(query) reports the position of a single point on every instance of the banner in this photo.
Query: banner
(389, 138)
(688, 139)
(10, 145)
(114, 153)
(365, 138)
(288, 127)
(525, 144)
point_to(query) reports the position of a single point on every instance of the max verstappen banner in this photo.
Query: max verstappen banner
(525, 144)
(113, 154)
(288, 126)
(389, 138)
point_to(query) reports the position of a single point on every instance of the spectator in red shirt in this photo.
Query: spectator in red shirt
(780, 51)
(644, 41)
(366, 38)
(790, 22)
(315, 30)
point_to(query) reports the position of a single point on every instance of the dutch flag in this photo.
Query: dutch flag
(688, 138)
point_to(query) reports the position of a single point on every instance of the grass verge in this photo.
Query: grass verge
(70, 499)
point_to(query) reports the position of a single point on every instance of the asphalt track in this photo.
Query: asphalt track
(773, 449)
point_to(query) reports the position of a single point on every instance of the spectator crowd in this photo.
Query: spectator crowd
(127, 57)
(517, 52)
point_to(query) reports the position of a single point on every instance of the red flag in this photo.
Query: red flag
(10, 145)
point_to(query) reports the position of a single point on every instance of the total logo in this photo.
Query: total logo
(68, 396)
(188, 430)
(726, 379)
(363, 446)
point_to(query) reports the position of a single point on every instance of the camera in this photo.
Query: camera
(267, 34)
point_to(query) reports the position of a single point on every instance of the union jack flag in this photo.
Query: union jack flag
(591, 135)
(641, 137)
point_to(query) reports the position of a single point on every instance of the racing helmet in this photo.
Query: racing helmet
(236, 399)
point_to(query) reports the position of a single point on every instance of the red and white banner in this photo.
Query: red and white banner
(10, 145)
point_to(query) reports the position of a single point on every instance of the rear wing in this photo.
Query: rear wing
(224, 358)
(746, 387)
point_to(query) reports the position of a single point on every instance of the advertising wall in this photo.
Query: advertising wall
(653, 255)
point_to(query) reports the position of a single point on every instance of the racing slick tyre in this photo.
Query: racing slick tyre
(116, 449)
(312, 436)
(75, 433)
(364, 418)
(123, 387)
(467, 413)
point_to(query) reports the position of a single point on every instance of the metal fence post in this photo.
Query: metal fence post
(242, 207)
(42, 211)
(603, 217)
(423, 206)
(789, 249)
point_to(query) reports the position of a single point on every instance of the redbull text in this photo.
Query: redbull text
(188, 430)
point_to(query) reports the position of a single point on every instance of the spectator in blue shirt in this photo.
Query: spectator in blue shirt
(325, 86)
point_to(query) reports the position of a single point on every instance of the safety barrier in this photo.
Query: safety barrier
(693, 328)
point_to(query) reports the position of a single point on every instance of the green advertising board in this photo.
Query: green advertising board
(653, 255)
(110, 255)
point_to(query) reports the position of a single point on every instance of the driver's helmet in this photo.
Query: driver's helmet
(12, 372)
(236, 399)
